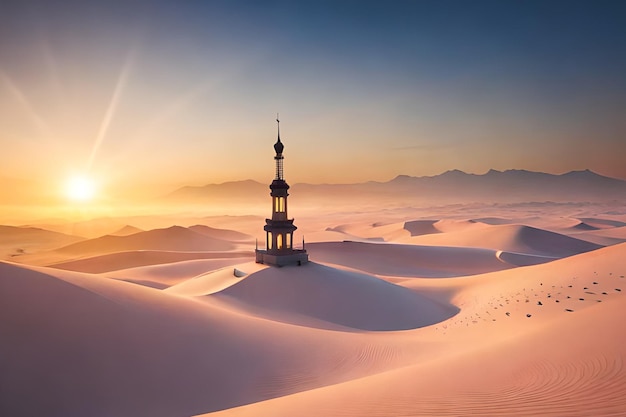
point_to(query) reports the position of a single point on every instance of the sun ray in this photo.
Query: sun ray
(110, 112)
(19, 95)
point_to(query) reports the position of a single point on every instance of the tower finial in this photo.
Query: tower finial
(278, 146)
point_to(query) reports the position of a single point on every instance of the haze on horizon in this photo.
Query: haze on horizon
(143, 93)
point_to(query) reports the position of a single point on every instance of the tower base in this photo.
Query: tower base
(295, 257)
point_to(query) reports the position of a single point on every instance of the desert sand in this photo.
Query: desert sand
(400, 313)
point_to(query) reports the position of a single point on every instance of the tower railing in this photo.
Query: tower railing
(279, 167)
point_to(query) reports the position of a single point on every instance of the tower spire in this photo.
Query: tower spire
(279, 147)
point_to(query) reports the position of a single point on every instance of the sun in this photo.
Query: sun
(80, 188)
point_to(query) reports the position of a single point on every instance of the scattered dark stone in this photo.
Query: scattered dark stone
(595, 283)
(599, 301)
(539, 303)
(581, 299)
(541, 283)
(603, 293)
(569, 296)
(585, 288)
(507, 313)
(549, 296)
(569, 286)
(617, 289)
(557, 301)
(569, 310)
(528, 315)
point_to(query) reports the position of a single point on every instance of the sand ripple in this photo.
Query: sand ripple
(334, 366)
(594, 386)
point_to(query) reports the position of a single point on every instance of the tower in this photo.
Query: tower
(279, 229)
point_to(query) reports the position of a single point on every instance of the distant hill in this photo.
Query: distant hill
(234, 191)
(17, 241)
(175, 238)
(493, 186)
(127, 231)
(225, 234)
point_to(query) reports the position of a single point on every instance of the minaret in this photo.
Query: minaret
(279, 229)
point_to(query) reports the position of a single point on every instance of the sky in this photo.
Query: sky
(153, 95)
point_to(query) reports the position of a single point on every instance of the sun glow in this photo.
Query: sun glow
(80, 188)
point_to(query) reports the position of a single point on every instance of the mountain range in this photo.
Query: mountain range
(495, 186)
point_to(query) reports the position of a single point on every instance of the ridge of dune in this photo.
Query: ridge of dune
(600, 223)
(214, 281)
(584, 226)
(454, 225)
(493, 220)
(137, 258)
(407, 260)
(356, 232)
(170, 274)
(174, 238)
(523, 259)
(347, 298)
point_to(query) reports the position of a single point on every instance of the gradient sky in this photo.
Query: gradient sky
(169, 93)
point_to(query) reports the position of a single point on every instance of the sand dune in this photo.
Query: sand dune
(81, 345)
(407, 260)
(168, 274)
(512, 238)
(334, 296)
(174, 238)
(497, 332)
